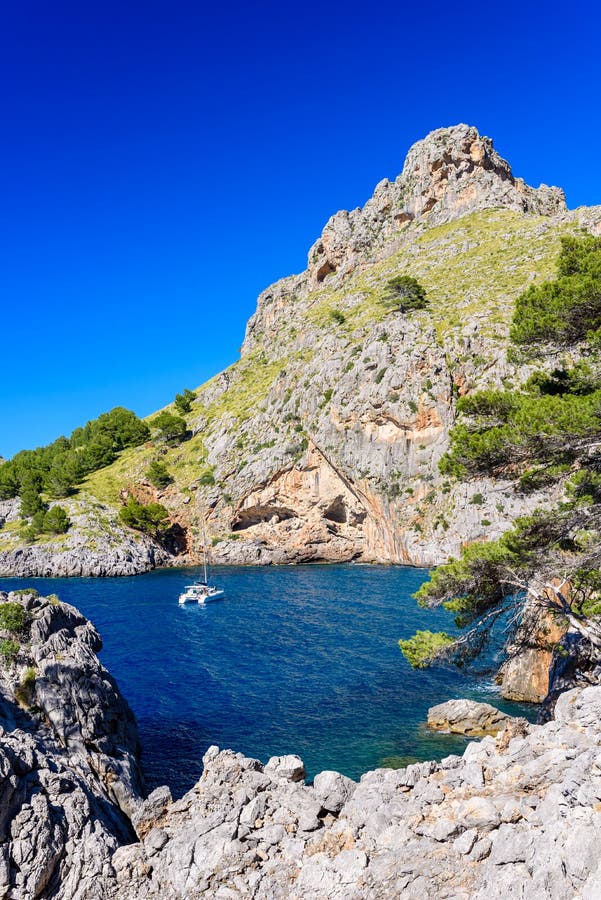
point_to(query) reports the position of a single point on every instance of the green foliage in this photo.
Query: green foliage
(9, 650)
(337, 317)
(567, 310)
(9, 483)
(207, 478)
(172, 429)
(477, 499)
(508, 434)
(152, 519)
(31, 501)
(158, 474)
(421, 649)
(585, 487)
(56, 521)
(13, 617)
(58, 468)
(404, 294)
(478, 580)
(184, 401)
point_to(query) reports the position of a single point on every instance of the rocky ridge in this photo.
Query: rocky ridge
(517, 815)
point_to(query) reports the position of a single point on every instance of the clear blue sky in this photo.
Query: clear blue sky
(163, 162)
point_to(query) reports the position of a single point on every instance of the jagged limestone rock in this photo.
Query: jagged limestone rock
(68, 758)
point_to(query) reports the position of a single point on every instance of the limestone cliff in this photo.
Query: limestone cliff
(322, 442)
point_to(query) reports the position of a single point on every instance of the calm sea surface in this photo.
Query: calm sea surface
(296, 660)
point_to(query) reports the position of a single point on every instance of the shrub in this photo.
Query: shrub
(207, 479)
(404, 293)
(172, 429)
(12, 617)
(152, 519)
(184, 401)
(158, 474)
(56, 521)
(567, 310)
(9, 650)
(24, 691)
(337, 317)
(477, 499)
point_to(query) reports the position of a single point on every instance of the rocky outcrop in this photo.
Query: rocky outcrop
(96, 545)
(467, 717)
(525, 673)
(451, 173)
(68, 756)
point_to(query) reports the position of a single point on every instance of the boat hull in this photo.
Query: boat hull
(200, 596)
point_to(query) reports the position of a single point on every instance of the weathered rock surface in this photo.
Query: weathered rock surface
(467, 717)
(97, 545)
(518, 815)
(525, 674)
(69, 778)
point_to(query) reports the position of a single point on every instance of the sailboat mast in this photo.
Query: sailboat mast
(204, 547)
(201, 513)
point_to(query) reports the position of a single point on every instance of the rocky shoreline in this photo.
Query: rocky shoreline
(517, 815)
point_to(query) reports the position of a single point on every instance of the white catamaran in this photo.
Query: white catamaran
(201, 591)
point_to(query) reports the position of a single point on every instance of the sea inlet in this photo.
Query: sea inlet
(298, 659)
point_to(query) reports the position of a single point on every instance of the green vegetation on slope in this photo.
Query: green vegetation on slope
(57, 468)
(471, 268)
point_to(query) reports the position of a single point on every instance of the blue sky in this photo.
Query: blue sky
(163, 162)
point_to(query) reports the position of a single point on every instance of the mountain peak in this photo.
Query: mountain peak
(450, 173)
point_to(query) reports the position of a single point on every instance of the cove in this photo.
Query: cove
(297, 659)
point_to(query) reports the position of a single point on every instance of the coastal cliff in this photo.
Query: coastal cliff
(322, 442)
(516, 815)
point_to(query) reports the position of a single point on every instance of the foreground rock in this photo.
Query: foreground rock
(514, 817)
(467, 717)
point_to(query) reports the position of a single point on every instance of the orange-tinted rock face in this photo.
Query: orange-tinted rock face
(525, 675)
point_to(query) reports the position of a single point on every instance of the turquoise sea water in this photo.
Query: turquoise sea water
(296, 660)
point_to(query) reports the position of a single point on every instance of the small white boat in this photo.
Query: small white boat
(199, 592)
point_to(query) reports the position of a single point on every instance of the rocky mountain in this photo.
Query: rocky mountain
(322, 442)
(517, 815)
